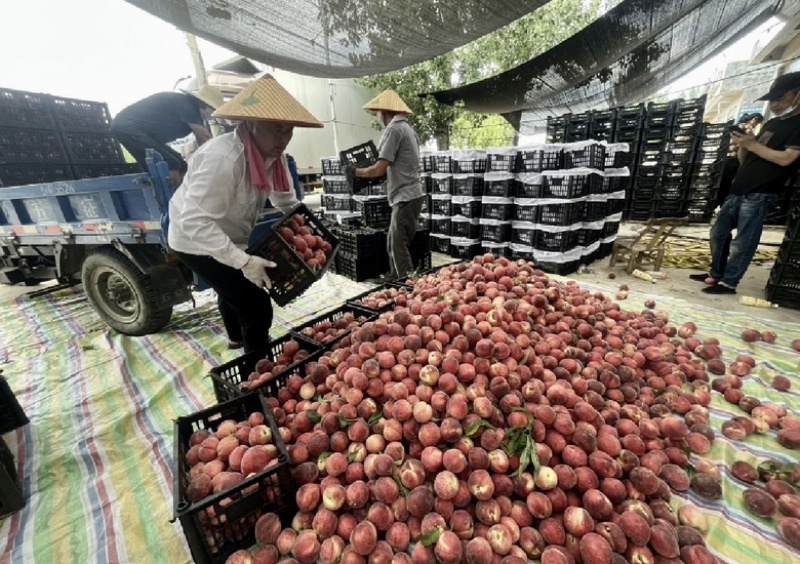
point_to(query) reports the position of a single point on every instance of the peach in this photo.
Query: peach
(777, 488)
(240, 557)
(364, 538)
(705, 486)
(306, 547)
(285, 541)
(267, 554)
(198, 488)
(760, 502)
(331, 550)
(697, 554)
(448, 549)
(664, 541)
(635, 527)
(420, 501)
(254, 461)
(226, 480)
(613, 535)
(325, 523)
(595, 549)
(789, 530)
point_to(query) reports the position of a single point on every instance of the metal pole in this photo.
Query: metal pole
(200, 71)
(331, 86)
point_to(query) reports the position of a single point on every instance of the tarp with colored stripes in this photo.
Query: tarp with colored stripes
(96, 459)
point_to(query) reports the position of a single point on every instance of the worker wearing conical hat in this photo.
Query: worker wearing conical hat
(226, 187)
(398, 159)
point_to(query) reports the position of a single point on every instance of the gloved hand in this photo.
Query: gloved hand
(255, 271)
(350, 176)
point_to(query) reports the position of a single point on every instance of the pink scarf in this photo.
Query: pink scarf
(260, 177)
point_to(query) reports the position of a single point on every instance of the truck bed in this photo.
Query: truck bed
(88, 212)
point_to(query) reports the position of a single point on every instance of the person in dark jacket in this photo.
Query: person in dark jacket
(164, 117)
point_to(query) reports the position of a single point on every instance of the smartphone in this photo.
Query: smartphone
(737, 129)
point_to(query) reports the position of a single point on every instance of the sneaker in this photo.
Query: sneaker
(718, 289)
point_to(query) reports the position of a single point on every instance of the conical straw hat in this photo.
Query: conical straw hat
(388, 101)
(208, 95)
(266, 100)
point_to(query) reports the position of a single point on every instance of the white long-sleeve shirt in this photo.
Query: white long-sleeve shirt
(215, 208)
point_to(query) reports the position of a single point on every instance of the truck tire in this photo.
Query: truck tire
(121, 294)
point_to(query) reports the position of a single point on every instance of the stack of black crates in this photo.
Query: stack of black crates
(47, 138)
(363, 254)
(558, 204)
(369, 207)
(783, 287)
(12, 417)
(675, 159)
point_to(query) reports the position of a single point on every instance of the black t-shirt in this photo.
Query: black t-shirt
(757, 175)
(164, 116)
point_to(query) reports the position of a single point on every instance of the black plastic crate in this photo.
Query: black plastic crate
(784, 295)
(614, 206)
(11, 498)
(441, 162)
(706, 170)
(692, 104)
(556, 241)
(523, 212)
(570, 186)
(502, 162)
(11, 414)
(385, 301)
(529, 186)
(359, 156)
(632, 111)
(672, 189)
(332, 203)
(658, 134)
(470, 209)
(471, 185)
(426, 204)
(588, 237)
(687, 133)
(591, 156)
(464, 248)
(361, 243)
(610, 228)
(440, 244)
(440, 206)
(577, 132)
(30, 146)
(631, 136)
(427, 183)
(524, 234)
(539, 159)
(560, 214)
(498, 211)
(661, 108)
(496, 233)
(378, 190)
(618, 159)
(468, 165)
(231, 380)
(442, 184)
(558, 268)
(422, 262)
(498, 187)
(421, 243)
(426, 162)
(23, 174)
(465, 229)
(594, 211)
(716, 130)
(80, 115)
(424, 221)
(610, 184)
(332, 318)
(101, 170)
(25, 109)
(84, 147)
(335, 186)
(223, 523)
(441, 226)
(669, 208)
(629, 124)
(375, 213)
(332, 166)
(293, 275)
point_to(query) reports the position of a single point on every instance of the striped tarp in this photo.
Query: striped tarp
(96, 459)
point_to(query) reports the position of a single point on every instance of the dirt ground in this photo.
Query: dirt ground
(677, 283)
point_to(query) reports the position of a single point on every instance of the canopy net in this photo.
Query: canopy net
(339, 38)
(624, 56)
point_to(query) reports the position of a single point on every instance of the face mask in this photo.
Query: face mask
(790, 110)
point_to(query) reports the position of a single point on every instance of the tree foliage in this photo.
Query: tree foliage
(492, 54)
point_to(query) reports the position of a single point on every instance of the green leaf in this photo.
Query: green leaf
(403, 490)
(344, 421)
(352, 457)
(474, 426)
(375, 418)
(430, 539)
(314, 416)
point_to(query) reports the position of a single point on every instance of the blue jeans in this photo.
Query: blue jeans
(731, 257)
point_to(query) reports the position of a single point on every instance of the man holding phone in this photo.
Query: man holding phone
(767, 162)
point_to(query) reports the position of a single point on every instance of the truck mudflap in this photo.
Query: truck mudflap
(169, 284)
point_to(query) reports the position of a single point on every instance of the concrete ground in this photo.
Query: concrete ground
(676, 284)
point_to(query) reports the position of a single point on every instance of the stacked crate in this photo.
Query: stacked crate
(336, 197)
(704, 182)
(558, 204)
(603, 125)
(783, 287)
(557, 129)
(47, 138)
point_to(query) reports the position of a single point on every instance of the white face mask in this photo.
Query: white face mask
(790, 110)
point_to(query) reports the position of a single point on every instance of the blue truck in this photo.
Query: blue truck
(110, 234)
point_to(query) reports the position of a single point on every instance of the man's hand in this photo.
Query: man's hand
(745, 141)
(255, 270)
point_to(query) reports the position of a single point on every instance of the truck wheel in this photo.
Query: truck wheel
(121, 294)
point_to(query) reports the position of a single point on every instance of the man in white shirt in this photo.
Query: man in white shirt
(226, 186)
